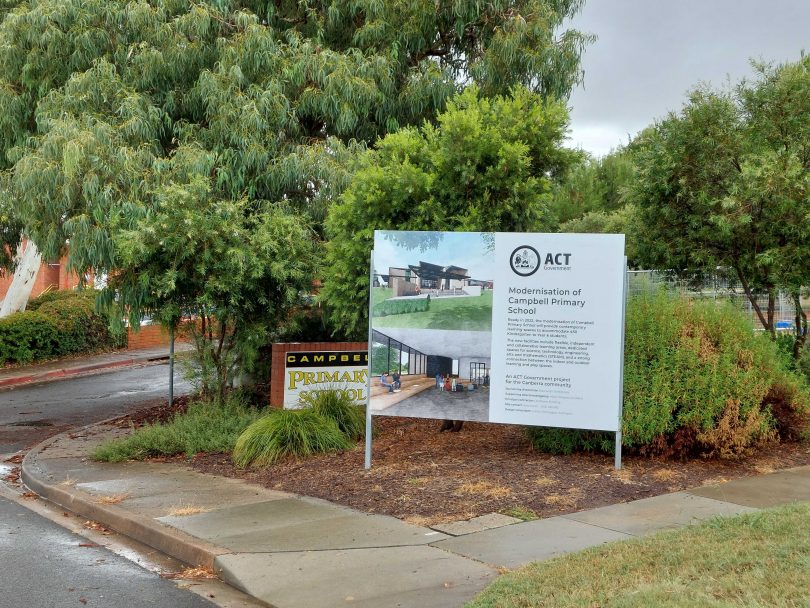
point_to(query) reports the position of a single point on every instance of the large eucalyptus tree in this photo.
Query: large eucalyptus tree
(105, 105)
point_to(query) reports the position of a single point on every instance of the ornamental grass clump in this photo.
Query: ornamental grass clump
(336, 405)
(288, 433)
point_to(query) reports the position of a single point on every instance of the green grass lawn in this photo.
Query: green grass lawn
(760, 559)
(473, 313)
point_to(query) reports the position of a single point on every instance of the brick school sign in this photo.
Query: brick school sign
(300, 368)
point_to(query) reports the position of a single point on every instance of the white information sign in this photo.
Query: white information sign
(498, 327)
(557, 315)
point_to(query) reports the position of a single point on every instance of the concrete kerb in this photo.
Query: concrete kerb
(170, 541)
(42, 474)
(505, 545)
(89, 370)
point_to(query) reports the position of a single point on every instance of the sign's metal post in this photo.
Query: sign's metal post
(368, 379)
(618, 462)
(171, 365)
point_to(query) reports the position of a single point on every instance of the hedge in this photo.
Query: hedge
(55, 326)
(400, 307)
(698, 381)
(56, 295)
(27, 336)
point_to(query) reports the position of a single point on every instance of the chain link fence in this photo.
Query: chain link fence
(716, 286)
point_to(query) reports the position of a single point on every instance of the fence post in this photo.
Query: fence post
(618, 450)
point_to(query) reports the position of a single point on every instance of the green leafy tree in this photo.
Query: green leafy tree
(267, 100)
(107, 107)
(594, 185)
(10, 230)
(620, 221)
(274, 90)
(488, 165)
(235, 274)
(726, 182)
(593, 198)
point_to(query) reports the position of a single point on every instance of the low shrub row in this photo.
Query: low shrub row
(206, 426)
(54, 325)
(328, 421)
(400, 307)
(698, 381)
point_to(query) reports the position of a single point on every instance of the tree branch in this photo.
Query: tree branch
(750, 295)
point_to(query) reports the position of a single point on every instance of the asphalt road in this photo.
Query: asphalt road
(31, 414)
(45, 565)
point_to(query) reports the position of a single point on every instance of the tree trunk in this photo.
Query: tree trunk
(767, 322)
(28, 262)
(772, 312)
(801, 325)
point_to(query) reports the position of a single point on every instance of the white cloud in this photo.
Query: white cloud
(649, 53)
(598, 139)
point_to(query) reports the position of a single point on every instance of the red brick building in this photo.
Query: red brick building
(53, 275)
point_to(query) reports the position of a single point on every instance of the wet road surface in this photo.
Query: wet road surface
(30, 414)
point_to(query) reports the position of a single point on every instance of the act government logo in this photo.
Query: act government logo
(524, 260)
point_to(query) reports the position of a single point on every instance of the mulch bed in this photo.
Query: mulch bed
(427, 477)
(154, 411)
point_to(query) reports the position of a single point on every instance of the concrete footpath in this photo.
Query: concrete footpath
(294, 552)
(81, 366)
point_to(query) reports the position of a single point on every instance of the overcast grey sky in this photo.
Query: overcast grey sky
(651, 52)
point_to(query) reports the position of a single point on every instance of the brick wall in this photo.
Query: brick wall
(277, 363)
(70, 280)
(47, 276)
(150, 336)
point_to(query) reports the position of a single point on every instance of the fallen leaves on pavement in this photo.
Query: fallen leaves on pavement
(112, 499)
(94, 525)
(13, 476)
(198, 573)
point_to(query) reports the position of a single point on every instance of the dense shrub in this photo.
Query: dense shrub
(57, 295)
(698, 380)
(568, 441)
(27, 336)
(56, 325)
(287, 433)
(336, 405)
(80, 328)
(804, 361)
(400, 307)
